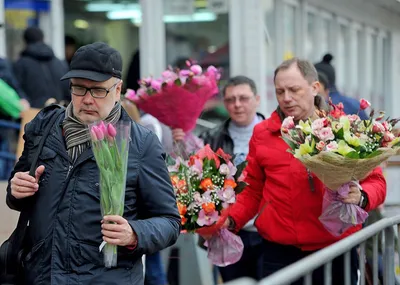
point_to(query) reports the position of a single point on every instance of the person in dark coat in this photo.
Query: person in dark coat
(66, 225)
(38, 71)
(351, 105)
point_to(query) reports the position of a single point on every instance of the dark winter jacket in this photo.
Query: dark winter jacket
(38, 72)
(65, 229)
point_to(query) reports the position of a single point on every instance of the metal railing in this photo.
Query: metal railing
(324, 257)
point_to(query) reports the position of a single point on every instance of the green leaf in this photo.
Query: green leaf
(240, 169)
(170, 160)
(290, 143)
(373, 154)
(396, 144)
(178, 82)
(240, 187)
(340, 134)
(353, 154)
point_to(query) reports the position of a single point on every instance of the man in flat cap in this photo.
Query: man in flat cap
(66, 226)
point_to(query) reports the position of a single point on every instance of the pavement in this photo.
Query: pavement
(8, 218)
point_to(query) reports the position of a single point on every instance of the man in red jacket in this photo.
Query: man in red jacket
(287, 199)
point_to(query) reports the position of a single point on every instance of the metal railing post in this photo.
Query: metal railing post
(388, 277)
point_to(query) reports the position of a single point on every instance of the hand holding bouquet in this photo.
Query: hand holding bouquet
(206, 186)
(110, 146)
(341, 149)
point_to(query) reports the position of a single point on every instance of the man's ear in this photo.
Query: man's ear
(315, 88)
(118, 90)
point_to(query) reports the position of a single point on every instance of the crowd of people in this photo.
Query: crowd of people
(276, 215)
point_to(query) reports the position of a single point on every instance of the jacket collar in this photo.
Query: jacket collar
(274, 122)
(225, 125)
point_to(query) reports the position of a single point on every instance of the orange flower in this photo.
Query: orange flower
(230, 182)
(183, 220)
(174, 180)
(181, 209)
(206, 184)
(208, 207)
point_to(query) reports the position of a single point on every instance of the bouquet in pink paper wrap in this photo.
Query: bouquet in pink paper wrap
(206, 186)
(178, 97)
(341, 150)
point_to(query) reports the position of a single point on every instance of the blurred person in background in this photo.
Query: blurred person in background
(285, 196)
(8, 136)
(70, 48)
(324, 85)
(350, 104)
(241, 100)
(38, 71)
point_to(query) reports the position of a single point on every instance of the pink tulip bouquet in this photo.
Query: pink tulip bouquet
(340, 150)
(110, 145)
(178, 97)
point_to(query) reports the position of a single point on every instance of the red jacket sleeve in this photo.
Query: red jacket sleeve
(374, 185)
(247, 203)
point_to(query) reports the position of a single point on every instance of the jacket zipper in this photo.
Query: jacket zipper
(310, 180)
(69, 170)
(261, 211)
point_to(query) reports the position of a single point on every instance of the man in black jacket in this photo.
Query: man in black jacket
(39, 71)
(233, 136)
(66, 225)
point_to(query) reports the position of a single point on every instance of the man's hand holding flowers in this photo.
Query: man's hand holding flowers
(117, 231)
(354, 196)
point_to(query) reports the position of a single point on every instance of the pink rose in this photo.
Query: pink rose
(340, 106)
(169, 75)
(156, 85)
(185, 73)
(364, 104)
(388, 136)
(332, 146)
(288, 123)
(378, 128)
(196, 69)
(321, 145)
(207, 219)
(353, 118)
(212, 71)
(325, 134)
(130, 94)
(318, 124)
(386, 125)
(141, 92)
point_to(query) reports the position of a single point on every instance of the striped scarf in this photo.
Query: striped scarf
(77, 134)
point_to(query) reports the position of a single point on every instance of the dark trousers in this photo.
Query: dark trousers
(277, 256)
(250, 265)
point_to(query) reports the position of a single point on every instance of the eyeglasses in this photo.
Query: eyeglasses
(241, 99)
(95, 92)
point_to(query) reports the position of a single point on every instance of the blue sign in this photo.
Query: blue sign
(34, 5)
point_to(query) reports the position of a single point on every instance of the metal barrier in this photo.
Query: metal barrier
(305, 267)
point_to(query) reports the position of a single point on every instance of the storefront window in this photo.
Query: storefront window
(326, 36)
(289, 31)
(114, 23)
(199, 33)
(310, 39)
(18, 16)
(342, 62)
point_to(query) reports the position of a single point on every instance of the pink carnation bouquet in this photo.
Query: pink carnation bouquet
(340, 150)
